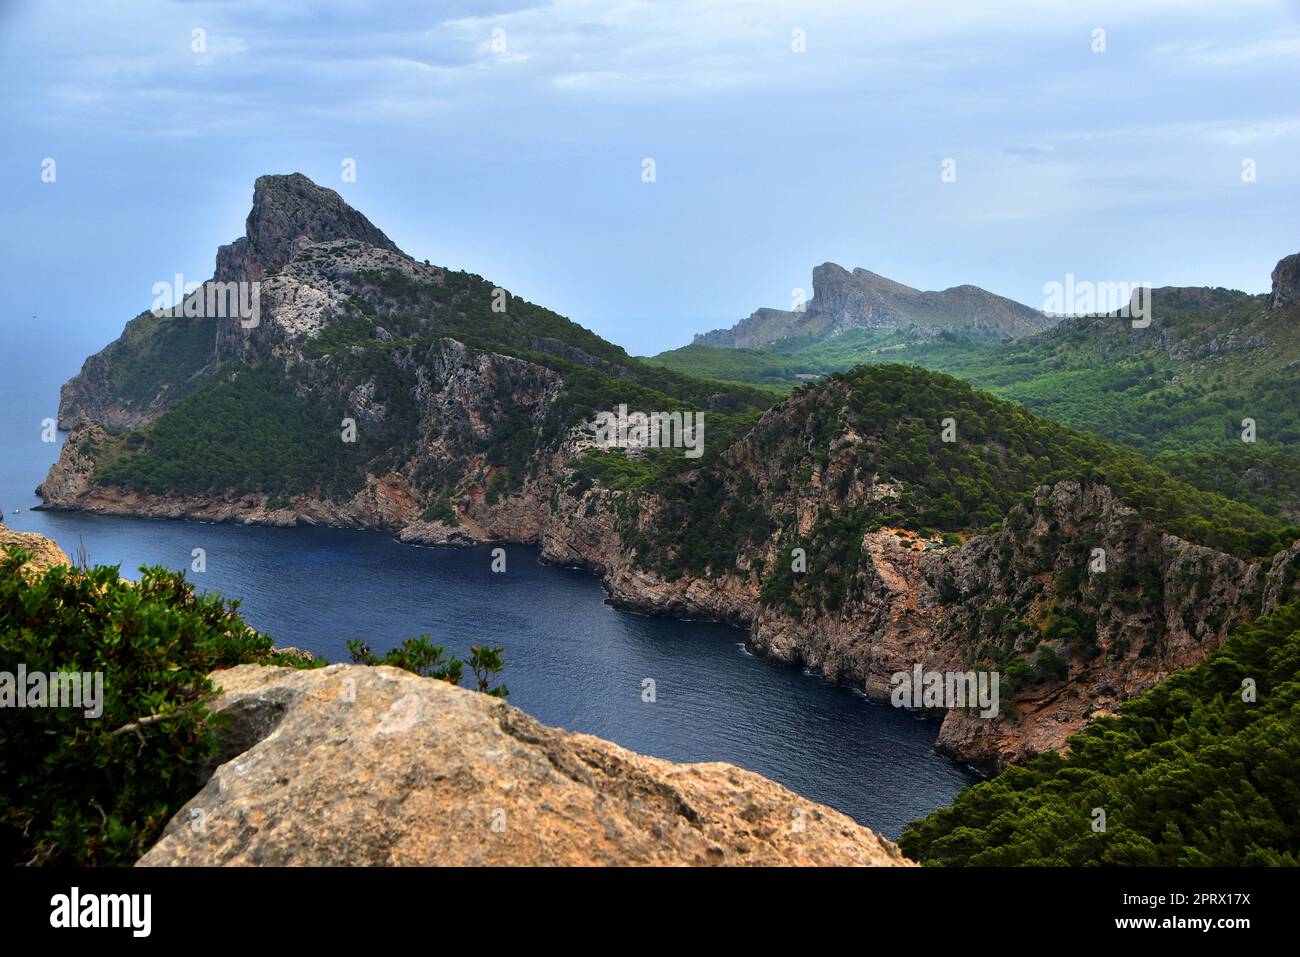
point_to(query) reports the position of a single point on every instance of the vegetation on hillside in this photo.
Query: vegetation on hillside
(249, 432)
(884, 424)
(1202, 770)
(159, 358)
(275, 430)
(1178, 390)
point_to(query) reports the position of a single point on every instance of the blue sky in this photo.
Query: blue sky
(524, 163)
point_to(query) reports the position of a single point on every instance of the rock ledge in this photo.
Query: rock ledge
(356, 765)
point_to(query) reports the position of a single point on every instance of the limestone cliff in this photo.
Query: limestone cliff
(1286, 283)
(352, 765)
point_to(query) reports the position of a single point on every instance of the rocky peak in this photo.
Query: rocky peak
(861, 299)
(1286, 283)
(832, 275)
(287, 209)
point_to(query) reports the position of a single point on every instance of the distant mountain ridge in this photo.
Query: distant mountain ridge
(861, 299)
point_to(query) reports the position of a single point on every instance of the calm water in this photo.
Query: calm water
(571, 660)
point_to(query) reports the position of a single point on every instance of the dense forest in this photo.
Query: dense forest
(1200, 771)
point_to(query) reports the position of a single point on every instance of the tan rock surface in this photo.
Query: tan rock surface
(353, 765)
(44, 552)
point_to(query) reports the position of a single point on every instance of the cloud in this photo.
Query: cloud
(769, 159)
(1216, 55)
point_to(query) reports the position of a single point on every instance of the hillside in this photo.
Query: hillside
(969, 554)
(1203, 733)
(1178, 390)
(204, 405)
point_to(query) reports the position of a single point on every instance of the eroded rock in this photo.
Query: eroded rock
(357, 765)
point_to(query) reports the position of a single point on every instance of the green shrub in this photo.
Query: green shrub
(441, 511)
(76, 790)
(422, 657)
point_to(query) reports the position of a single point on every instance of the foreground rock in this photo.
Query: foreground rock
(352, 765)
(45, 553)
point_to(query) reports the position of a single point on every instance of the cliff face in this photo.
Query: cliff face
(844, 300)
(352, 765)
(162, 354)
(1286, 283)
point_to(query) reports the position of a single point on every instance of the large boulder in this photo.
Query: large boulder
(44, 552)
(357, 765)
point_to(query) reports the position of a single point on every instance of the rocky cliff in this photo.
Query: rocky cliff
(353, 765)
(860, 299)
(1286, 283)
(44, 552)
(287, 210)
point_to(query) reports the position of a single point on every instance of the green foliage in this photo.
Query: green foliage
(251, 432)
(896, 412)
(441, 511)
(486, 663)
(422, 657)
(159, 358)
(1187, 774)
(342, 333)
(417, 655)
(97, 791)
(1001, 452)
(1177, 390)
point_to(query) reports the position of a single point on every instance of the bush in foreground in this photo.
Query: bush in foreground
(78, 790)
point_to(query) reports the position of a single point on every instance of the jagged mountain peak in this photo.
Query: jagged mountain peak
(1286, 282)
(861, 299)
(832, 273)
(287, 208)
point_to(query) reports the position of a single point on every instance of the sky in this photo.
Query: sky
(1003, 144)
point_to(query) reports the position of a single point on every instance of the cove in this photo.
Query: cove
(571, 660)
